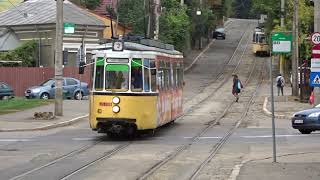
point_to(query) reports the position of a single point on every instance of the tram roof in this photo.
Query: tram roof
(132, 46)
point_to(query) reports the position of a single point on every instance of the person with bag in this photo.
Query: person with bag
(280, 84)
(236, 87)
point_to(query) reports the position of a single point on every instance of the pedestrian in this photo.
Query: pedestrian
(280, 84)
(236, 87)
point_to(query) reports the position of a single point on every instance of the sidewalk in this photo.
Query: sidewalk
(297, 158)
(284, 106)
(73, 111)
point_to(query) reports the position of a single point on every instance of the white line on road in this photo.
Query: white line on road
(83, 139)
(15, 140)
(262, 136)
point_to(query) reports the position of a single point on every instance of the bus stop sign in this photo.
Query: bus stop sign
(281, 42)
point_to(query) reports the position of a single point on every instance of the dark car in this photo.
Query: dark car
(6, 91)
(307, 121)
(219, 33)
(71, 89)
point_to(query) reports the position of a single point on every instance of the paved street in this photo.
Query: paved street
(216, 138)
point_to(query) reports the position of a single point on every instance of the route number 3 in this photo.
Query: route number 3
(315, 38)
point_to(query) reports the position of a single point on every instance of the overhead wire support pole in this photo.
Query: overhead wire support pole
(58, 106)
(316, 91)
(295, 54)
(272, 110)
(157, 9)
(282, 62)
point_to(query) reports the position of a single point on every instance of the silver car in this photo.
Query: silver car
(71, 89)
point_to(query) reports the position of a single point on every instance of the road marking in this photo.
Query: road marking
(15, 140)
(84, 139)
(205, 137)
(283, 135)
(262, 136)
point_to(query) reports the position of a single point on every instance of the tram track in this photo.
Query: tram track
(214, 151)
(74, 153)
(96, 161)
(210, 124)
(119, 148)
(221, 76)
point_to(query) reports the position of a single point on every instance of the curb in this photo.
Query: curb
(268, 113)
(47, 127)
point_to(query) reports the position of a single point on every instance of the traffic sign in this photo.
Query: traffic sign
(315, 38)
(68, 28)
(281, 43)
(316, 51)
(315, 65)
(315, 79)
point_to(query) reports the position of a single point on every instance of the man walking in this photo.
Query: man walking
(236, 87)
(280, 84)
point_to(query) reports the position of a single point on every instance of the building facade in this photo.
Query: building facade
(35, 20)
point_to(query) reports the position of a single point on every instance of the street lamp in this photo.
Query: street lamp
(198, 13)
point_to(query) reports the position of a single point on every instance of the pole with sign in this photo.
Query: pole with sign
(315, 66)
(281, 44)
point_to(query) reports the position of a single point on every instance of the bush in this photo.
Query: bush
(25, 53)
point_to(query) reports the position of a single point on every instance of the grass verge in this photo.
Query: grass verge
(18, 104)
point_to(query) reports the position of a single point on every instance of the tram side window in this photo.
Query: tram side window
(98, 81)
(180, 77)
(117, 77)
(146, 75)
(170, 84)
(136, 75)
(153, 76)
(161, 79)
(174, 73)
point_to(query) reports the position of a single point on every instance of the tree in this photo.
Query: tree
(132, 13)
(90, 4)
(174, 24)
(25, 53)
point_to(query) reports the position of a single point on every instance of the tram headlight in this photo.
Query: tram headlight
(116, 100)
(116, 109)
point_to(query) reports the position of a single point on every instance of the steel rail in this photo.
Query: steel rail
(220, 144)
(222, 73)
(194, 139)
(94, 162)
(72, 153)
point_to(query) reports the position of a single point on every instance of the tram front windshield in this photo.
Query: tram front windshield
(117, 77)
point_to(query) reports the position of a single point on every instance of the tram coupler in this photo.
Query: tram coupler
(115, 128)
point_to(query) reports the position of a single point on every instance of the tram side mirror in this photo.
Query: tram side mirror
(81, 67)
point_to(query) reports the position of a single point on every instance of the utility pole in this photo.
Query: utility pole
(316, 90)
(157, 7)
(295, 54)
(117, 23)
(282, 26)
(58, 59)
(181, 2)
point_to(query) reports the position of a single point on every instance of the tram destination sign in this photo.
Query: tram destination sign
(281, 42)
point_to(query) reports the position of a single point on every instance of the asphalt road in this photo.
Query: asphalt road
(176, 151)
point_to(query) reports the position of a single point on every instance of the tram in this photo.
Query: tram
(136, 87)
(260, 43)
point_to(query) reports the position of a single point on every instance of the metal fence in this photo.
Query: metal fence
(21, 78)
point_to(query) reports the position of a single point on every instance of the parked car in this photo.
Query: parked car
(71, 89)
(307, 121)
(219, 33)
(6, 91)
